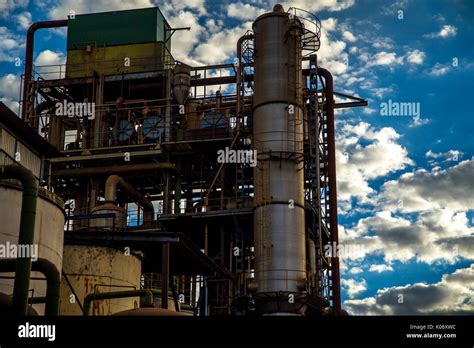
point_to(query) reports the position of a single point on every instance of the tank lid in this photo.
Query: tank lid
(278, 8)
(278, 11)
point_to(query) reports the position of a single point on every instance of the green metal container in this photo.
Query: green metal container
(118, 28)
(111, 60)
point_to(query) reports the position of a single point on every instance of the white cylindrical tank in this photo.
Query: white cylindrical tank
(279, 220)
(49, 234)
(100, 269)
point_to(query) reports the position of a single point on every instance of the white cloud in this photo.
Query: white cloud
(62, 9)
(423, 190)
(416, 57)
(317, 6)
(357, 164)
(356, 270)
(386, 58)
(221, 45)
(381, 156)
(8, 6)
(214, 25)
(10, 45)
(394, 7)
(332, 54)
(380, 268)
(24, 20)
(382, 43)
(354, 287)
(47, 64)
(439, 235)
(244, 11)
(449, 156)
(10, 91)
(349, 36)
(10, 86)
(438, 70)
(445, 32)
(418, 121)
(453, 294)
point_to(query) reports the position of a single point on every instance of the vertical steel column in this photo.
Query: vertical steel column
(335, 276)
(30, 42)
(165, 274)
(26, 234)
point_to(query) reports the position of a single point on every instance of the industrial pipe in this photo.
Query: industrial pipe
(30, 42)
(336, 292)
(111, 185)
(148, 294)
(26, 234)
(240, 69)
(126, 168)
(53, 282)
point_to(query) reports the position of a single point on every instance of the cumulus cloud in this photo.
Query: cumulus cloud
(438, 70)
(10, 86)
(416, 57)
(332, 55)
(393, 8)
(453, 294)
(417, 121)
(356, 270)
(449, 156)
(220, 46)
(10, 91)
(48, 62)
(317, 6)
(24, 20)
(10, 45)
(8, 6)
(349, 36)
(380, 268)
(185, 41)
(244, 11)
(357, 163)
(353, 287)
(437, 235)
(386, 59)
(424, 190)
(445, 32)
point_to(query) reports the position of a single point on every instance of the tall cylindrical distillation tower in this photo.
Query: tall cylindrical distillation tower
(279, 218)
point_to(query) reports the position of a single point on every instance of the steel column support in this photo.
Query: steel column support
(329, 107)
(165, 275)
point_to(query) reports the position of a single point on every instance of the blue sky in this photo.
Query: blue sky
(405, 183)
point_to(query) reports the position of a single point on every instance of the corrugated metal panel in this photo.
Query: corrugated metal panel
(29, 160)
(111, 60)
(5, 160)
(116, 28)
(7, 142)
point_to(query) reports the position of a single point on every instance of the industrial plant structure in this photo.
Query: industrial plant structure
(114, 172)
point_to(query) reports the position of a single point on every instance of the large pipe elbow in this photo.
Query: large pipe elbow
(111, 185)
(30, 42)
(53, 281)
(26, 233)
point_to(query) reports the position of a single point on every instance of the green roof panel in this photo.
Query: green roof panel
(117, 28)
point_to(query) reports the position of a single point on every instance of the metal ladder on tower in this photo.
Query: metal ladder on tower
(239, 185)
(263, 192)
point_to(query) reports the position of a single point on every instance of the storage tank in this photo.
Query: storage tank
(279, 223)
(109, 217)
(100, 269)
(49, 233)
